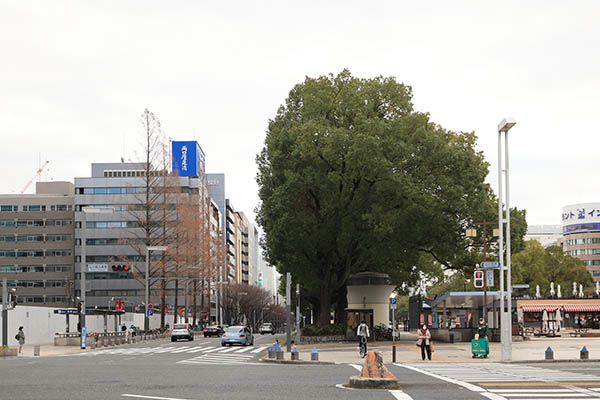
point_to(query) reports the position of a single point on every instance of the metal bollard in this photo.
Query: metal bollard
(36, 350)
(549, 353)
(295, 354)
(393, 353)
(584, 354)
(279, 353)
(314, 355)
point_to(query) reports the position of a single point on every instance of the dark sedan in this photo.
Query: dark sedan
(213, 330)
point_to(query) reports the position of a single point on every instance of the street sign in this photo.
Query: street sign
(490, 264)
(205, 292)
(83, 337)
(489, 277)
(150, 312)
(190, 312)
(97, 267)
(149, 306)
(393, 303)
(66, 311)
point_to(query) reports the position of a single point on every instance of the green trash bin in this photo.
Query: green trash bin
(480, 348)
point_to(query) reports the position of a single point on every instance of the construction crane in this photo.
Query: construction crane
(39, 171)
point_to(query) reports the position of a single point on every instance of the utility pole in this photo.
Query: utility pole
(484, 224)
(288, 309)
(4, 312)
(297, 313)
(186, 299)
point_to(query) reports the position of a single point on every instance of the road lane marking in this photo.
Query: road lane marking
(493, 396)
(466, 385)
(243, 350)
(228, 350)
(530, 390)
(197, 349)
(212, 350)
(181, 349)
(400, 395)
(139, 396)
(261, 348)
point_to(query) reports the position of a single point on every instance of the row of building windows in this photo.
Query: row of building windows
(583, 252)
(129, 207)
(105, 275)
(36, 268)
(589, 263)
(133, 190)
(36, 238)
(35, 222)
(114, 259)
(38, 284)
(112, 224)
(41, 299)
(573, 242)
(52, 207)
(36, 253)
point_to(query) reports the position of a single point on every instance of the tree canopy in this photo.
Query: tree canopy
(353, 179)
(536, 265)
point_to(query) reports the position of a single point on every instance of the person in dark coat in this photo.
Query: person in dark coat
(424, 342)
(21, 338)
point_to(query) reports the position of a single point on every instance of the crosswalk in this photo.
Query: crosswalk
(203, 354)
(497, 381)
(498, 372)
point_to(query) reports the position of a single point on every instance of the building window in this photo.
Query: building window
(9, 208)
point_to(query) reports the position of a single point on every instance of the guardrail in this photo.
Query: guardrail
(105, 339)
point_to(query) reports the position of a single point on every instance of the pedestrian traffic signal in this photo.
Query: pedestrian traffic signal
(478, 279)
(120, 267)
(79, 307)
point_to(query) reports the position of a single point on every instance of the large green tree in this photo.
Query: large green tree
(352, 178)
(536, 265)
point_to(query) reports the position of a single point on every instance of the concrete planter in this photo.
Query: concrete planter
(322, 339)
(8, 352)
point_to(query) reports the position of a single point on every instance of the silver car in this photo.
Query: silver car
(182, 331)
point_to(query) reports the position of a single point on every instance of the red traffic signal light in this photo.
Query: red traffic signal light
(478, 274)
(120, 267)
(125, 267)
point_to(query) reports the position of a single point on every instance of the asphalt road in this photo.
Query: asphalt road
(202, 369)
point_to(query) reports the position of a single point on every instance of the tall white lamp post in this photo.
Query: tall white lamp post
(505, 296)
(83, 264)
(148, 250)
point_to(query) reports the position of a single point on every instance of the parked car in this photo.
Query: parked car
(267, 327)
(237, 334)
(213, 330)
(182, 331)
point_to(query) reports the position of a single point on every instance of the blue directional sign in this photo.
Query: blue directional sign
(150, 312)
(190, 312)
(83, 337)
(490, 264)
(149, 306)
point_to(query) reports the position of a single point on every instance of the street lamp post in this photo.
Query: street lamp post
(83, 264)
(505, 296)
(148, 250)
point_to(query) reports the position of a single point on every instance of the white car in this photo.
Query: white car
(182, 331)
(267, 327)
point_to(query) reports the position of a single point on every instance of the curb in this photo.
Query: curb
(571, 360)
(297, 362)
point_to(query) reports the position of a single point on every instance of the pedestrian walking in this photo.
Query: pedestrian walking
(424, 342)
(21, 338)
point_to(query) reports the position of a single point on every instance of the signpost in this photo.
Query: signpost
(393, 304)
(489, 277)
(490, 265)
(83, 336)
(150, 310)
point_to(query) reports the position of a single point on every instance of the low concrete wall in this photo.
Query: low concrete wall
(322, 339)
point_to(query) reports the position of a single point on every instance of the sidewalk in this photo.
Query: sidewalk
(565, 348)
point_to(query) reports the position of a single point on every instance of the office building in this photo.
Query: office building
(36, 244)
(581, 234)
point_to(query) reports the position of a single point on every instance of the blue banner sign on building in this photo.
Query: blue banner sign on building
(188, 158)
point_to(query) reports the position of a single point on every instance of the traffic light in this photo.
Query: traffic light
(120, 267)
(260, 279)
(79, 305)
(478, 278)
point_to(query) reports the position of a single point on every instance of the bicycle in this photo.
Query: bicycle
(363, 347)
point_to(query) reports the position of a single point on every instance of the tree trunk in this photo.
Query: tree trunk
(175, 314)
(325, 304)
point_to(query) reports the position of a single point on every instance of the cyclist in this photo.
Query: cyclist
(363, 333)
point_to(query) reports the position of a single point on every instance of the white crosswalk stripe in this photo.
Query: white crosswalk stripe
(220, 359)
(489, 374)
(258, 350)
(497, 372)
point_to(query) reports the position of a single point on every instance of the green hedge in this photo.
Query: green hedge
(315, 330)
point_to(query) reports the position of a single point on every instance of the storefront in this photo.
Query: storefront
(560, 313)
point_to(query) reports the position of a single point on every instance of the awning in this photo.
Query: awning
(582, 307)
(540, 308)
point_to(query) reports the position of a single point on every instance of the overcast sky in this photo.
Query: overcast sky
(76, 75)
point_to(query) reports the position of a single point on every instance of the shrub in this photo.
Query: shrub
(315, 330)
